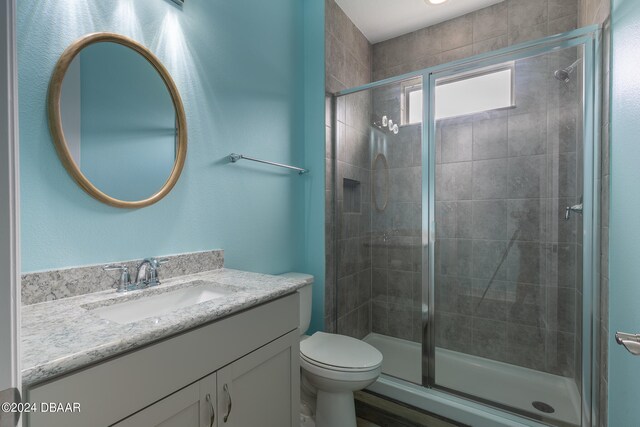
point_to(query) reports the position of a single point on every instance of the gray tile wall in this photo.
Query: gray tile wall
(503, 179)
(488, 29)
(501, 25)
(495, 27)
(353, 222)
(593, 11)
(534, 302)
(396, 230)
(347, 64)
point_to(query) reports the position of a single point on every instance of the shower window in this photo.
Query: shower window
(461, 95)
(411, 102)
(482, 90)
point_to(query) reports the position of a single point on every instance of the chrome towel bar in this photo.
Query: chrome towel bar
(235, 157)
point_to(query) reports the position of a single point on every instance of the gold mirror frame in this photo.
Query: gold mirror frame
(383, 160)
(55, 119)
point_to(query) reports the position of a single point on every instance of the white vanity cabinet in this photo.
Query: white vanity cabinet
(240, 371)
(193, 406)
(257, 390)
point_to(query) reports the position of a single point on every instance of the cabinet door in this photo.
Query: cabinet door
(262, 388)
(192, 406)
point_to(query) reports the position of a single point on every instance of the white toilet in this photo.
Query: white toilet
(333, 367)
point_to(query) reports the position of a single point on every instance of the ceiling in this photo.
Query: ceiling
(381, 20)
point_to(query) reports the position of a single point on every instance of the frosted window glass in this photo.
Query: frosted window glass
(415, 106)
(474, 94)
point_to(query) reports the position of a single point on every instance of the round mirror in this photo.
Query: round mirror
(380, 182)
(117, 120)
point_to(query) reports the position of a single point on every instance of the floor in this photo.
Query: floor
(510, 385)
(365, 423)
(375, 411)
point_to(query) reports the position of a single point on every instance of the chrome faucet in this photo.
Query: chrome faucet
(148, 272)
(146, 276)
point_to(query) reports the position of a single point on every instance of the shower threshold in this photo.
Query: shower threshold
(499, 382)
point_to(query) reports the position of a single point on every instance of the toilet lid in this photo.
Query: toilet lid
(340, 351)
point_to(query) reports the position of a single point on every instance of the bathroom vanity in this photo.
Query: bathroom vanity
(229, 361)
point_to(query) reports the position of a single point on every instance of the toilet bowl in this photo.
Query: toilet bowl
(332, 367)
(336, 366)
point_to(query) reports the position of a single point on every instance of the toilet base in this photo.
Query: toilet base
(335, 409)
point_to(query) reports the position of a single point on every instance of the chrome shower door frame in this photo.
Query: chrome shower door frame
(590, 38)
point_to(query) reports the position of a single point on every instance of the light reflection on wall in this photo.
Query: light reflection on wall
(125, 20)
(241, 91)
(170, 45)
(71, 15)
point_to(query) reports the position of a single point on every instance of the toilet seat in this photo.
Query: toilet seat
(341, 375)
(339, 353)
(335, 368)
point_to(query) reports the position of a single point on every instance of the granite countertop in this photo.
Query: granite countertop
(64, 335)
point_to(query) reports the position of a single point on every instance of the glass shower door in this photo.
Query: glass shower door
(378, 208)
(507, 156)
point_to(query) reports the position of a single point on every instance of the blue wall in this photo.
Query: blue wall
(314, 137)
(240, 69)
(128, 138)
(624, 238)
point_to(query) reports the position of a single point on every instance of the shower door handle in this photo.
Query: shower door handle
(630, 341)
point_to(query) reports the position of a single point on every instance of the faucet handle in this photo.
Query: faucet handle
(154, 265)
(157, 262)
(125, 279)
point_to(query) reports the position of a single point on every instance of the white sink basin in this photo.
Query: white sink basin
(160, 304)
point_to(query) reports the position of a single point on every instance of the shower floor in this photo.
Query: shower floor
(494, 381)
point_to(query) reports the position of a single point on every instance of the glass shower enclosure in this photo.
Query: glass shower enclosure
(464, 212)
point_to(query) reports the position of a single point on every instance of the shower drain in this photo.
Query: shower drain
(543, 407)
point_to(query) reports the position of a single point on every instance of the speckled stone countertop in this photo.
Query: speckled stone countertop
(64, 335)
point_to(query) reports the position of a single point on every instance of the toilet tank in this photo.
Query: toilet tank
(305, 294)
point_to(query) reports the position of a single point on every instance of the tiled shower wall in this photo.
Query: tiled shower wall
(491, 28)
(503, 179)
(598, 12)
(396, 223)
(396, 302)
(347, 64)
(501, 25)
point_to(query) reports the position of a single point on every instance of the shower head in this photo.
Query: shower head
(564, 74)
